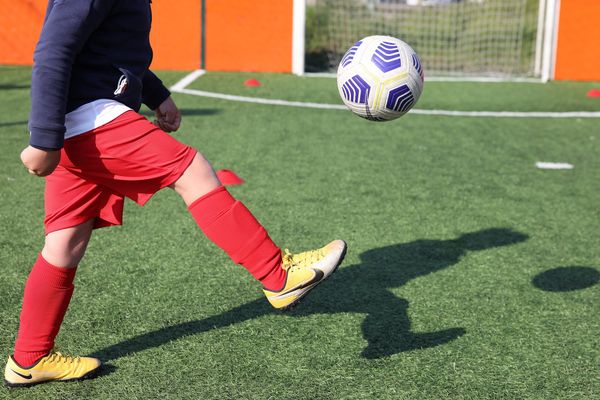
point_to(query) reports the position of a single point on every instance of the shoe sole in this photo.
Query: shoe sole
(295, 302)
(88, 375)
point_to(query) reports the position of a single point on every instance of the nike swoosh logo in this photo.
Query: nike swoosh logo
(318, 276)
(21, 375)
(316, 279)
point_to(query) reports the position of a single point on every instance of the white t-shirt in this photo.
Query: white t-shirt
(92, 115)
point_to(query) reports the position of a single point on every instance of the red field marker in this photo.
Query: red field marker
(252, 82)
(228, 177)
(594, 93)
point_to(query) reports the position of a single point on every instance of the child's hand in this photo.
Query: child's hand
(40, 162)
(168, 116)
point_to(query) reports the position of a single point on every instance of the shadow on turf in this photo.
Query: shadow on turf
(14, 123)
(105, 369)
(10, 86)
(566, 279)
(358, 288)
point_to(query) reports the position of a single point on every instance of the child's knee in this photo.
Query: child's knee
(66, 248)
(198, 179)
(201, 165)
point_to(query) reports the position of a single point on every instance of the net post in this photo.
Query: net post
(298, 27)
(549, 48)
(539, 39)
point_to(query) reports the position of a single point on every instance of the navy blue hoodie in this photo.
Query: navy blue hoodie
(86, 48)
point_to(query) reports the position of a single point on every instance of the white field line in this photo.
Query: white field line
(180, 87)
(187, 80)
(258, 100)
(553, 165)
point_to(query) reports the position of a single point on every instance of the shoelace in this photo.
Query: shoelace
(57, 356)
(301, 260)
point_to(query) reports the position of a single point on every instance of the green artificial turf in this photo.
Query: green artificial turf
(470, 274)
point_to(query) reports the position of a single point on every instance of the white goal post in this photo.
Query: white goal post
(298, 33)
(489, 39)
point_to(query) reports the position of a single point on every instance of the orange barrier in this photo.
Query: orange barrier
(175, 32)
(578, 43)
(249, 35)
(20, 26)
(240, 35)
(175, 35)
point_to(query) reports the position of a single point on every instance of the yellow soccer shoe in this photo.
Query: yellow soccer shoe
(53, 367)
(304, 271)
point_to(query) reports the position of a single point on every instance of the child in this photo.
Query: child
(89, 78)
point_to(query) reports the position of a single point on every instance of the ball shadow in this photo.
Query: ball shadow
(566, 279)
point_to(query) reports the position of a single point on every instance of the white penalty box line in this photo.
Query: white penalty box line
(181, 87)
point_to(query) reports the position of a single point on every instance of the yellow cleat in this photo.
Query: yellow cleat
(53, 367)
(305, 271)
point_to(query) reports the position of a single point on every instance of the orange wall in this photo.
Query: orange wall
(241, 35)
(20, 26)
(175, 34)
(249, 35)
(578, 44)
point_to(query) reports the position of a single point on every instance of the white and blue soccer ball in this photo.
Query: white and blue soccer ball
(380, 78)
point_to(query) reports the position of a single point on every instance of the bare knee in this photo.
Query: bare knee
(197, 180)
(66, 247)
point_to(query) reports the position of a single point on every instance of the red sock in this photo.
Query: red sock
(47, 295)
(232, 227)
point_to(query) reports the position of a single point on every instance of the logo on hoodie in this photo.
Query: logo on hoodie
(121, 86)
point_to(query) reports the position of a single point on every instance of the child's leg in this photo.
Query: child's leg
(48, 292)
(229, 224)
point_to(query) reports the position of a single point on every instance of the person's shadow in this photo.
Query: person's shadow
(361, 288)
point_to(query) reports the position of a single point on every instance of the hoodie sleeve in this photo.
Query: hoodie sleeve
(67, 26)
(153, 92)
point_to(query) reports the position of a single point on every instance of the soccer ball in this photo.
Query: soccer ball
(380, 78)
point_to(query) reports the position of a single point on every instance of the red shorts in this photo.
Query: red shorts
(128, 157)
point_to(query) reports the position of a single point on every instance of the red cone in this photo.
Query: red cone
(228, 177)
(594, 93)
(252, 82)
